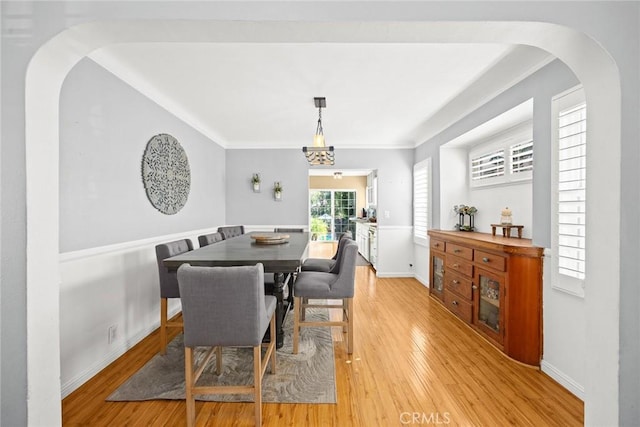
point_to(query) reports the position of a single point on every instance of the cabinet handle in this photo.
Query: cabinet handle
(454, 302)
(457, 251)
(456, 266)
(455, 282)
(474, 287)
(436, 244)
(485, 259)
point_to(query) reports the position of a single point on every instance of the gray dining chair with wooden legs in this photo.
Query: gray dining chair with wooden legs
(169, 285)
(231, 231)
(226, 307)
(337, 285)
(326, 264)
(210, 239)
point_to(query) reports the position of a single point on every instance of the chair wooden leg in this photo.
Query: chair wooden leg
(297, 309)
(257, 383)
(188, 381)
(218, 360)
(302, 312)
(163, 325)
(273, 339)
(350, 325)
(345, 316)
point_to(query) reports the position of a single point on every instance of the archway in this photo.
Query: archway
(49, 67)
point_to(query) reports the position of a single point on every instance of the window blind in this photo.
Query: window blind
(487, 165)
(421, 205)
(571, 207)
(521, 156)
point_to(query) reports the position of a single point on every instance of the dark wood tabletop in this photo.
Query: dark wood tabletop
(243, 250)
(282, 259)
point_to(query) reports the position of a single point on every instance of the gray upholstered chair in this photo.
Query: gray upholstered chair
(326, 264)
(209, 239)
(288, 230)
(231, 231)
(316, 285)
(225, 307)
(169, 284)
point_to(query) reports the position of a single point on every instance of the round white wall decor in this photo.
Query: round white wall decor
(166, 174)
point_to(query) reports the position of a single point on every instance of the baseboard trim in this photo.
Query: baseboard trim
(422, 280)
(73, 384)
(391, 275)
(563, 379)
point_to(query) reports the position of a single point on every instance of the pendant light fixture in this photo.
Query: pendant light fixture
(319, 154)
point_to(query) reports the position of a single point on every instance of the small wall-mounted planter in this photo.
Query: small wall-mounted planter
(277, 191)
(255, 182)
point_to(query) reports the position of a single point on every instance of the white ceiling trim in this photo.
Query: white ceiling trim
(378, 117)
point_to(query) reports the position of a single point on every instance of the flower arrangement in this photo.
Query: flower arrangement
(463, 210)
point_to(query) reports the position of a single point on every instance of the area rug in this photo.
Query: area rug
(307, 377)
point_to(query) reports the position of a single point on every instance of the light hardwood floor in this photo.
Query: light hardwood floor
(414, 363)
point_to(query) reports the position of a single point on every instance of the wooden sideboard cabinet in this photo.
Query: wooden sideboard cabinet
(494, 284)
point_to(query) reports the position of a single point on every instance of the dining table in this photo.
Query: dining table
(282, 257)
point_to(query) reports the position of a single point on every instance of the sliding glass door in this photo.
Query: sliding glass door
(330, 211)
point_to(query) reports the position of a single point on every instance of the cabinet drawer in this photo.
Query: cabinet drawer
(436, 244)
(461, 251)
(458, 306)
(459, 265)
(459, 285)
(494, 261)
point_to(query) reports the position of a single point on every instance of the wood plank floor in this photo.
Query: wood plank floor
(413, 363)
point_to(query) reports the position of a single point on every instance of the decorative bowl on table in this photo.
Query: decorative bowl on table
(270, 238)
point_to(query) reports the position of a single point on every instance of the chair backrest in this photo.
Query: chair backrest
(168, 279)
(209, 239)
(343, 286)
(346, 235)
(223, 305)
(335, 269)
(231, 231)
(288, 230)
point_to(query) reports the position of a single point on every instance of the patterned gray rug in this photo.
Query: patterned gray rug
(307, 377)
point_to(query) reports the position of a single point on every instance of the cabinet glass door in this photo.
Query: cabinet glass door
(437, 276)
(489, 315)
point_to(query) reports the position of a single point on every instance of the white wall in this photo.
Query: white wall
(114, 285)
(395, 258)
(491, 200)
(104, 128)
(454, 188)
(108, 228)
(564, 321)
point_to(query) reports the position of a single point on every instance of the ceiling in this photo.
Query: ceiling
(260, 95)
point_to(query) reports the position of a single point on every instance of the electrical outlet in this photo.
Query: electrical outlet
(113, 333)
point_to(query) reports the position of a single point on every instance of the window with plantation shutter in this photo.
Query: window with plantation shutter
(569, 216)
(521, 156)
(489, 165)
(503, 158)
(421, 201)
